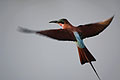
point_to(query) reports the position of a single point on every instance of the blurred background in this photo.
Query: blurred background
(34, 57)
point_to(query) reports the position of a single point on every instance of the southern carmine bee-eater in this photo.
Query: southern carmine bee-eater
(76, 34)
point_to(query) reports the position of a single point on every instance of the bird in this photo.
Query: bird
(77, 34)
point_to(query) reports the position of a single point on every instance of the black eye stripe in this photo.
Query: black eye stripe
(62, 22)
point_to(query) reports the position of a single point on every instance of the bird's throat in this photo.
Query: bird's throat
(65, 26)
(62, 25)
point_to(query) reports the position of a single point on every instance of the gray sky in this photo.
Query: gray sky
(33, 57)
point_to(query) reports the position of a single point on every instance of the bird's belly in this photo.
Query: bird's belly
(80, 43)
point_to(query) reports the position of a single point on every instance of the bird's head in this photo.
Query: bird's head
(61, 22)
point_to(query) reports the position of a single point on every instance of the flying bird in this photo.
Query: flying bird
(76, 34)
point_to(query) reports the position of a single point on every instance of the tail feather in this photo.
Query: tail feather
(86, 56)
(83, 53)
(95, 70)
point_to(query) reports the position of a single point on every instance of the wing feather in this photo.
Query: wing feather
(59, 34)
(94, 29)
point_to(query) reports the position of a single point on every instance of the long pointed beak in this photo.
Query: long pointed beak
(53, 22)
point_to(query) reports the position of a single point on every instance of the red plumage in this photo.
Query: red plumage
(85, 55)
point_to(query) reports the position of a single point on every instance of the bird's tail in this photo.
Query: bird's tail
(94, 70)
(86, 57)
(24, 30)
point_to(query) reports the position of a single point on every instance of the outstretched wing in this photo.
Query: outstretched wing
(58, 34)
(94, 29)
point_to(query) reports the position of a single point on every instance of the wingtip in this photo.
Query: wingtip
(24, 30)
(112, 17)
(107, 21)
